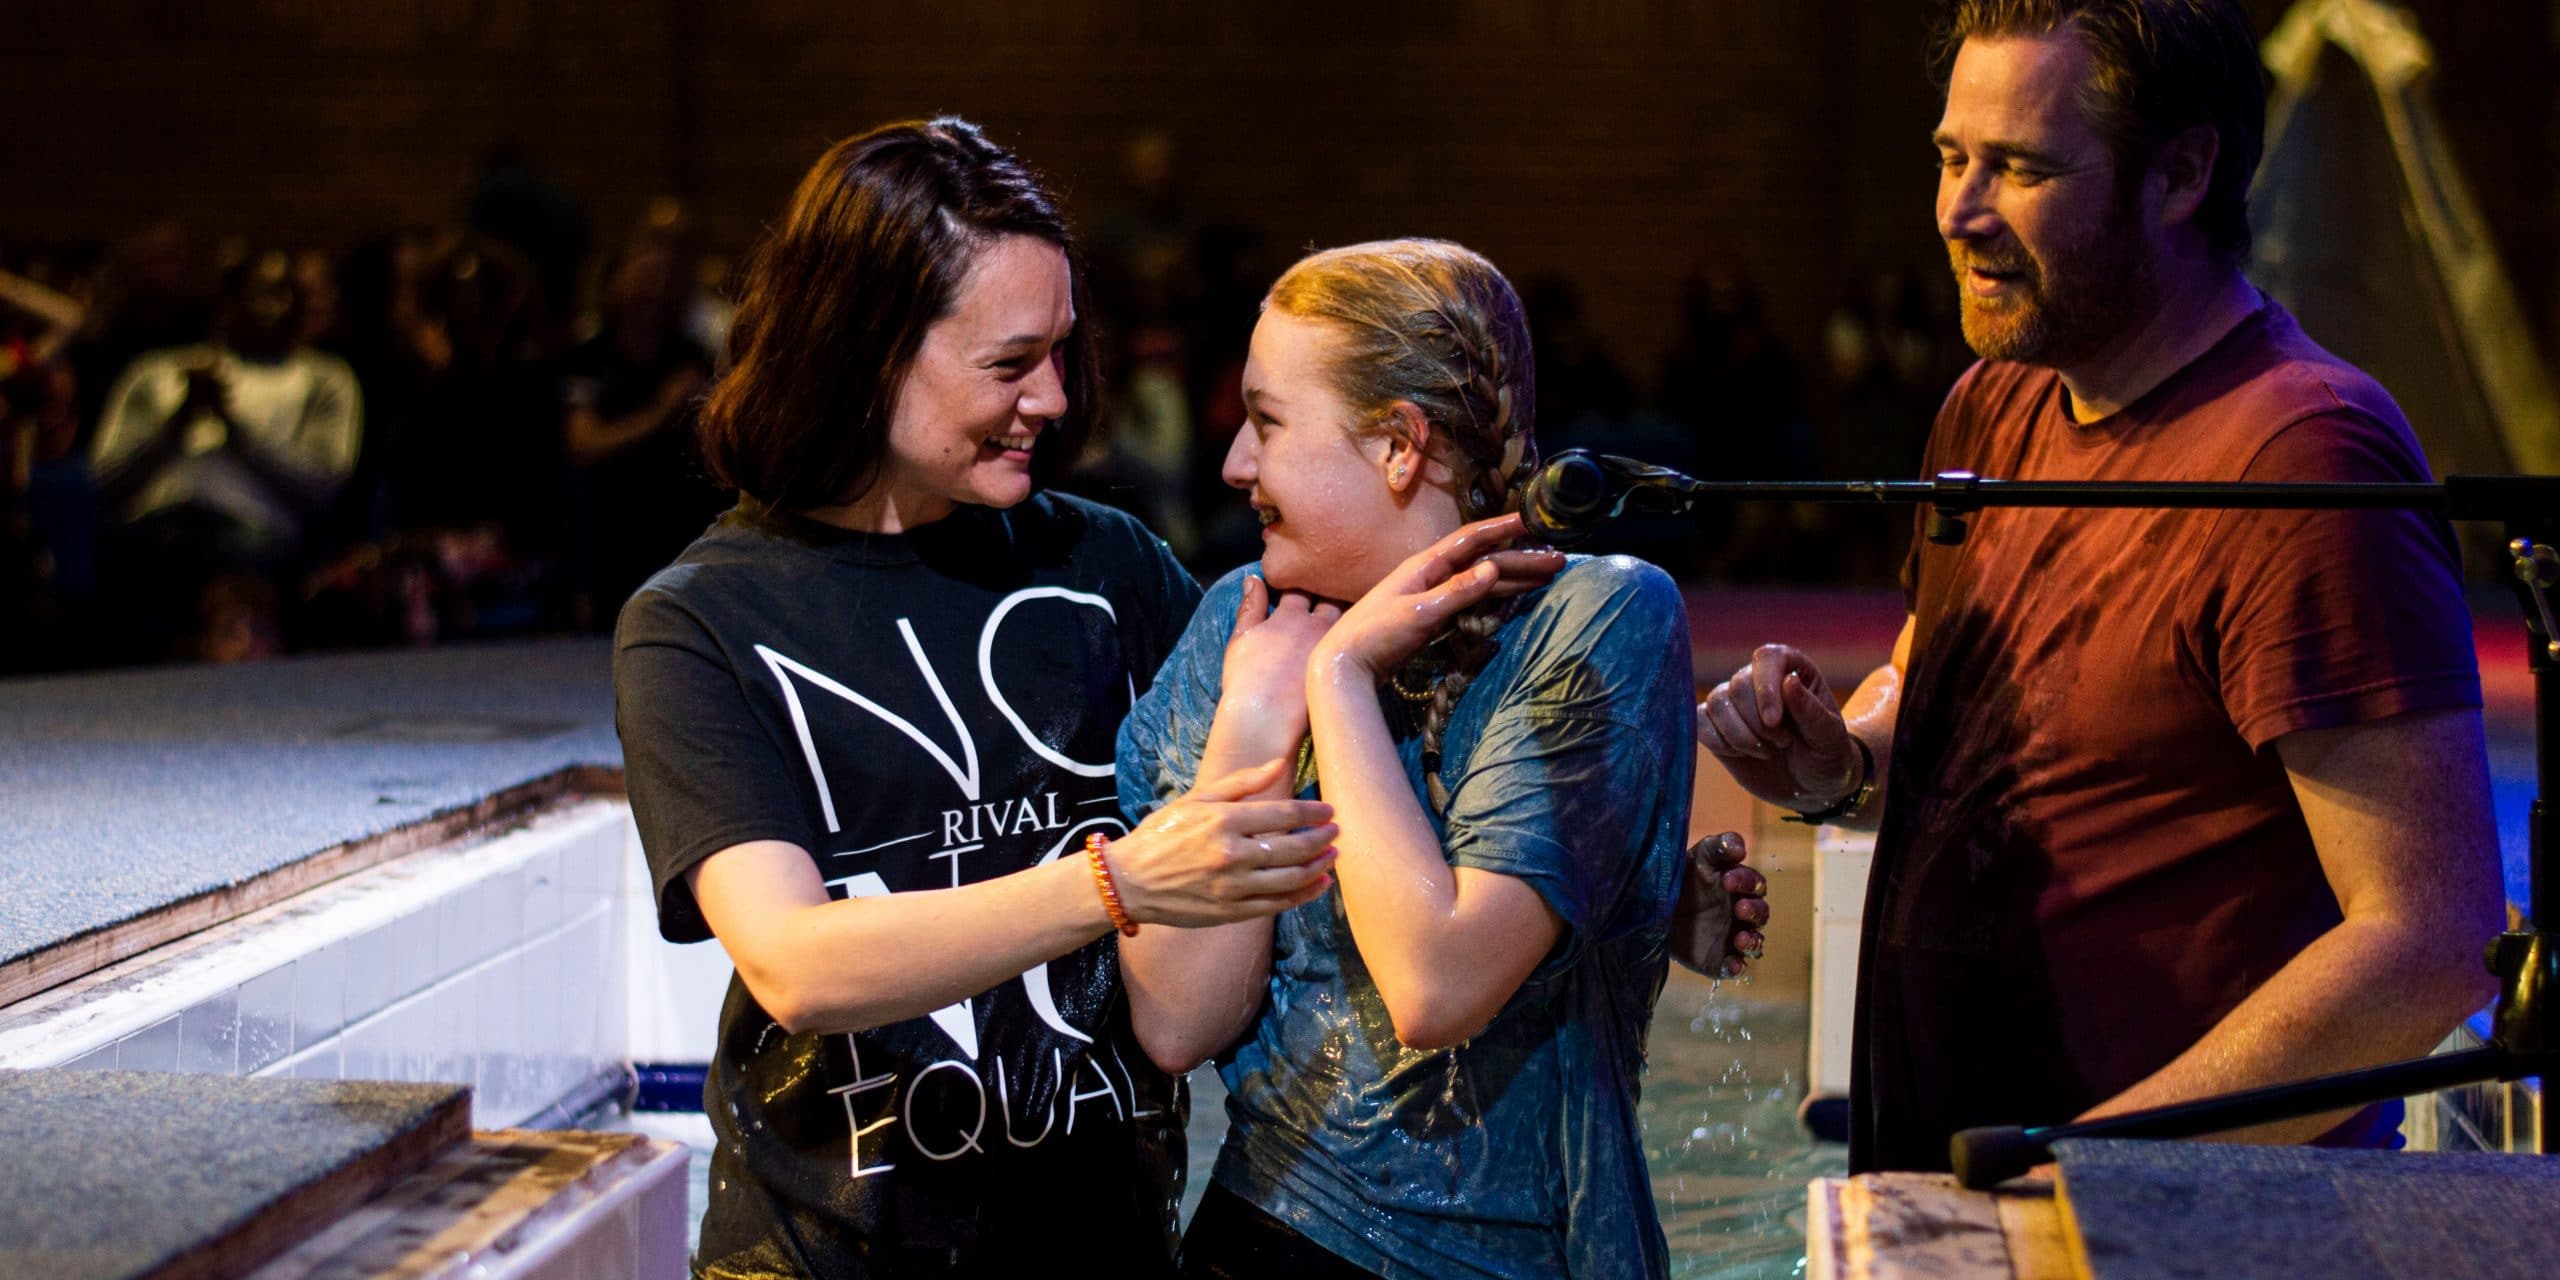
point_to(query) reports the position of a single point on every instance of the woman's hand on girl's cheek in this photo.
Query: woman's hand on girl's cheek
(1417, 599)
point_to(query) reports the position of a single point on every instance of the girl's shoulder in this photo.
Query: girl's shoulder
(1616, 615)
(1607, 591)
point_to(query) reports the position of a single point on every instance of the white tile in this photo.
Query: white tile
(451, 1057)
(407, 1035)
(457, 931)
(501, 1093)
(500, 1025)
(614, 1005)
(320, 982)
(366, 1051)
(543, 1004)
(587, 1005)
(591, 1008)
(545, 891)
(606, 860)
(501, 909)
(414, 957)
(323, 1063)
(564, 1056)
(671, 996)
(266, 1017)
(154, 1048)
(371, 962)
(209, 1036)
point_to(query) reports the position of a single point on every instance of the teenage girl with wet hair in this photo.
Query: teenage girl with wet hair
(1433, 1069)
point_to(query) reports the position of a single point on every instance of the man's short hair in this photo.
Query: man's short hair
(2161, 67)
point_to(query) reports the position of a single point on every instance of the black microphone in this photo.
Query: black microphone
(1578, 491)
(1566, 499)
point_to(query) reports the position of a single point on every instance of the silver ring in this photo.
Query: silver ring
(1262, 844)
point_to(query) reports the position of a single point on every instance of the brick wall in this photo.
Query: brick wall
(1618, 145)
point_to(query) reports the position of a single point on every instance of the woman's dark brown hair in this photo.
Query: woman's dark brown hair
(836, 302)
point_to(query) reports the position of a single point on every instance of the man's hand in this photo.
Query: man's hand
(1723, 906)
(1778, 730)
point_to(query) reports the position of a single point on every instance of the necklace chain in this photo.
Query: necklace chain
(1395, 681)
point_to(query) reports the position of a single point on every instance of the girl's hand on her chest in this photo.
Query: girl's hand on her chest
(1263, 683)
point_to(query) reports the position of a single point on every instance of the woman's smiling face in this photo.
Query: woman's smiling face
(983, 386)
(1331, 525)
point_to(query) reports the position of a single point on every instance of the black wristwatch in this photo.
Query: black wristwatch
(1848, 805)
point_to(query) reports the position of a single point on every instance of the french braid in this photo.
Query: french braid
(1436, 325)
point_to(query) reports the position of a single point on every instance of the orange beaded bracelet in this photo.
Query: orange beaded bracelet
(1093, 843)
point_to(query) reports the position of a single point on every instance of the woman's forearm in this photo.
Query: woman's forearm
(866, 961)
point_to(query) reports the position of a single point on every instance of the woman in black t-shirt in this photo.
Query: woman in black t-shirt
(867, 722)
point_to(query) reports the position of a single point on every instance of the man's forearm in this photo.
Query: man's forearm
(2398, 811)
(2367, 992)
(1870, 715)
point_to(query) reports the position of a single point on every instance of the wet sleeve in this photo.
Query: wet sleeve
(1581, 775)
(702, 773)
(1178, 595)
(2331, 618)
(1160, 746)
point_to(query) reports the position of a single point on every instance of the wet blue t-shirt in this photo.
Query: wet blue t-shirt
(1515, 1153)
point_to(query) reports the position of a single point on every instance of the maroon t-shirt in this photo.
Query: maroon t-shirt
(2090, 850)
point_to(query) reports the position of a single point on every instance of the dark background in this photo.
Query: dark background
(1618, 144)
(1620, 161)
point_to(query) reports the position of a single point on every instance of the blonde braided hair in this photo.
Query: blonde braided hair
(1435, 325)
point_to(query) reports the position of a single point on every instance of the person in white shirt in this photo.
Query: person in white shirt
(215, 462)
(252, 427)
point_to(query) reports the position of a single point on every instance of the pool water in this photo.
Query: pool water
(1729, 1159)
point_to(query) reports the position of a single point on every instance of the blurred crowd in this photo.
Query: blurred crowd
(214, 449)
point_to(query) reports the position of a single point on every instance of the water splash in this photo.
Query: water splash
(1729, 1159)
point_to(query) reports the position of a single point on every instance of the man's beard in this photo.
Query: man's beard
(2064, 309)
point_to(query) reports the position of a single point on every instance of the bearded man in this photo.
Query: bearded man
(2172, 803)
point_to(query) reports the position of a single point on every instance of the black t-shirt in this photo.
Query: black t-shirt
(917, 711)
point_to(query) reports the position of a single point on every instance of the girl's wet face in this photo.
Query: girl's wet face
(1331, 526)
(983, 386)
